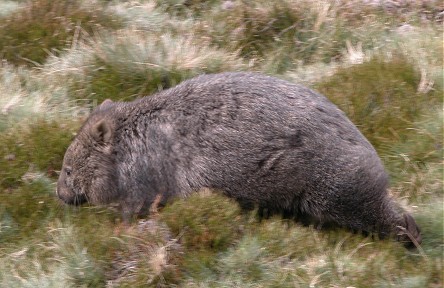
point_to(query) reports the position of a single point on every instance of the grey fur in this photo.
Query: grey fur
(263, 141)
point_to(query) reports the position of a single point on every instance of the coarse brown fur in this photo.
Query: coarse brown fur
(263, 141)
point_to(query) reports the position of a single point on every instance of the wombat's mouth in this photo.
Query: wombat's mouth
(77, 200)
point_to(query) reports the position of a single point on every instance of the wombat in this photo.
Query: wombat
(265, 142)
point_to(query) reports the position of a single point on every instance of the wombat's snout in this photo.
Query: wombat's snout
(77, 200)
(69, 197)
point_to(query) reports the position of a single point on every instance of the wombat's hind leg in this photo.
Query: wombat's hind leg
(263, 212)
(409, 234)
(245, 205)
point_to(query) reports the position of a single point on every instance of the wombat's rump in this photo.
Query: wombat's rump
(263, 141)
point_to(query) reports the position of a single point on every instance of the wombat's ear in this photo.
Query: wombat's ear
(106, 104)
(102, 132)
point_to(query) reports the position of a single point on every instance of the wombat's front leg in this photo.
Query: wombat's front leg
(132, 209)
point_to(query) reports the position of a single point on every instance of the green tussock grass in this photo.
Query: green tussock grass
(60, 260)
(25, 209)
(416, 163)
(26, 95)
(274, 254)
(30, 160)
(380, 97)
(45, 27)
(29, 152)
(130, 64)
(209, 223)
(278, 34)
(380, 63)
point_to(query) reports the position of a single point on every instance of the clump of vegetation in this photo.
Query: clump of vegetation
(33, 151)
(145, 254)
(274, 255)
(431, 219)
(7, 7)
(148, 16)
(263, 28)
(44, 27)
(380, 97)
(415, 164)
(60, 260)
(183, 8)
(30, 158)
(278, 36)
(130, 64)
(26, 209)
(26, 95)
(210, 222)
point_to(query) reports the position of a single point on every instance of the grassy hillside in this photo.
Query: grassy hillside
(382, 64)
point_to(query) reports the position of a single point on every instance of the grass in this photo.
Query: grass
(131, 64)
(186, 8)
(33, 151)
(207, 223)
(7, 7)
(416, 163)
(275, 255)
(380, 97)
(60, 260)
(381, 66)
(278, 34)
(142, 65)
(29, 35)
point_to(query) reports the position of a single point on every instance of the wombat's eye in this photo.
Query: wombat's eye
(68, 171)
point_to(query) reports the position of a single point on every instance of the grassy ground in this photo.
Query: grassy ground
(380, 63)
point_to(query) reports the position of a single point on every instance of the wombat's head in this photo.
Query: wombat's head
(88, 173)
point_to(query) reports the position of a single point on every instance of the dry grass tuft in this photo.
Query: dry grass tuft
(145, 256)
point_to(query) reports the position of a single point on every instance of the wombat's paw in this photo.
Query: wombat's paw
(409, 234)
